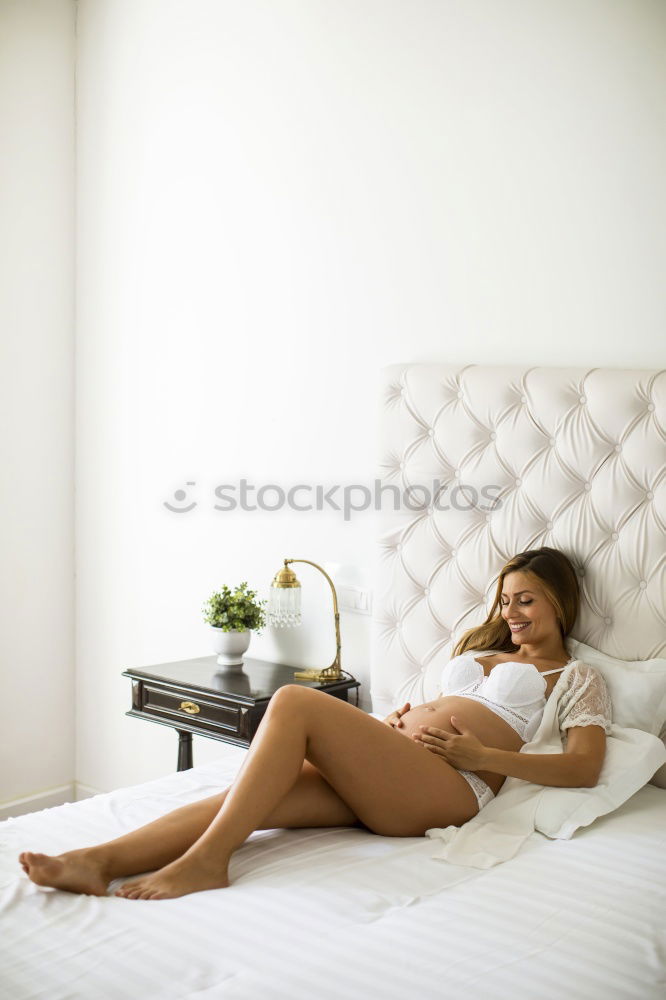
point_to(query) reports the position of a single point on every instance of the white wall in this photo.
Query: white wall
(277, 199)
(36, 399)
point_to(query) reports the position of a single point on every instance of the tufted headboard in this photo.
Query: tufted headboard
(573, 458)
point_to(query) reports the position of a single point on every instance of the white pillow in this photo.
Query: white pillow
(637, 687)
(632, 757)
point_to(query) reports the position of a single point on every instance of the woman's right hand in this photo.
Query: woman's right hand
(394, 719)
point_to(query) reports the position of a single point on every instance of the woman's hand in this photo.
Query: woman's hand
(463, 750)
(393, 720)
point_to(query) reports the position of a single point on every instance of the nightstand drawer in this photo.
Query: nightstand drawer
(200, 712)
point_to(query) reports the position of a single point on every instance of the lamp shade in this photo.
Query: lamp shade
(284, 600)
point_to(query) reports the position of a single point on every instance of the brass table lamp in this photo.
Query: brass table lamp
(284, 611)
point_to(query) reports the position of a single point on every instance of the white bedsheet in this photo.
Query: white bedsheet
(340, 913)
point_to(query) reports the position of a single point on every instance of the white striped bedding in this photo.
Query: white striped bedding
(341, 913)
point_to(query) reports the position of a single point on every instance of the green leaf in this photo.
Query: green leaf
(238, 609)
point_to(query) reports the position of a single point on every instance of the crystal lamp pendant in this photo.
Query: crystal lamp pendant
(284, 601)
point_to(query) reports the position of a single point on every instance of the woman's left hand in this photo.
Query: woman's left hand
(461, 749)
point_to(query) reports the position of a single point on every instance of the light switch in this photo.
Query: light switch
(355, 599)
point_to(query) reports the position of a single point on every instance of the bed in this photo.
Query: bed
(571, 455)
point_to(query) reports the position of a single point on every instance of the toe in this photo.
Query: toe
(125, 890)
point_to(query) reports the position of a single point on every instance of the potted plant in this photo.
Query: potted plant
(233, 615)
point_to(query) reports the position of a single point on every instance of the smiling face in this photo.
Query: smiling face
(527, 610)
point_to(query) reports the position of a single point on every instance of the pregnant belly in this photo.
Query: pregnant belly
(491, 729)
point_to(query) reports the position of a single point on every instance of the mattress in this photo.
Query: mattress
(342, 913)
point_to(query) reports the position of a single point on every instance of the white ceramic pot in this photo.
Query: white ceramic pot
(230, 646)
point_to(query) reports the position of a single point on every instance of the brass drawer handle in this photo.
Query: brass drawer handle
(189, 707)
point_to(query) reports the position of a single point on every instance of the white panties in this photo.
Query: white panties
(482, 790)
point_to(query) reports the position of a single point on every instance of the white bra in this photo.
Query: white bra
(513, 690)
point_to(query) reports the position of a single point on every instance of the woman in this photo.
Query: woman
(318, 761)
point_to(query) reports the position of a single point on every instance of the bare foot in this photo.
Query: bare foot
(74, 871)
(191, 873)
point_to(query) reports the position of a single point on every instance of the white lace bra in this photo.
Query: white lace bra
(514, 691)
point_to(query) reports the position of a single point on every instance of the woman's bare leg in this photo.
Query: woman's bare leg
(392, 784)
(309, 802)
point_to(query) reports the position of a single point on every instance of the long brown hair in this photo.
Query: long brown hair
(557, 577)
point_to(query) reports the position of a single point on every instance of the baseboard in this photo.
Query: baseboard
(82, 791)
(73, 792)
(40, 800)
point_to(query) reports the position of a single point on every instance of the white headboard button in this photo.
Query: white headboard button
(643, 584)
(618, 448)
(523, 400)
(650, 407)
(549, 525)
(552, 442)
(493, 435)
(649, 495)
(607, 621)
(614, 536)
(519, 482)
(587, 487)
(582, 401)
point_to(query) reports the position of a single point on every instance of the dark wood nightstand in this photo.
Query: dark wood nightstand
(195, 696)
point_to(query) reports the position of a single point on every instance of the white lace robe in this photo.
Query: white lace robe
(583, 700)
(496, 833)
